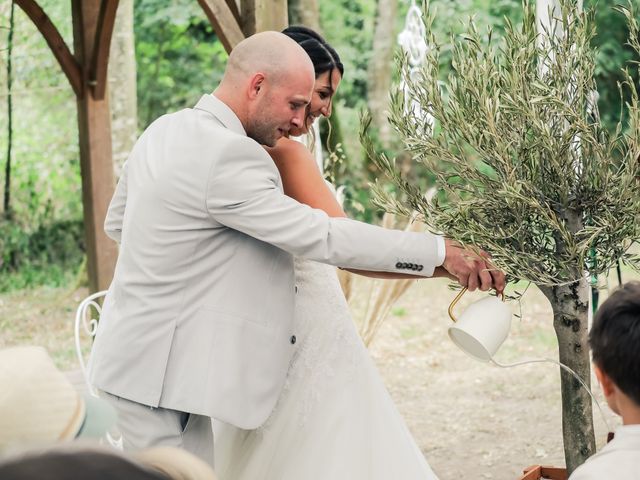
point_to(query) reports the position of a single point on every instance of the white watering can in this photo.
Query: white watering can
(482, 327)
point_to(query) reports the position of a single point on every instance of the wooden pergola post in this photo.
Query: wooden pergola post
(261, 15)
(234, 21)
(92, 27)
(87, 74)
(86, 71)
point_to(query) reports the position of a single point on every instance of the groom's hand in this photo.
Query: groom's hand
(472, 270)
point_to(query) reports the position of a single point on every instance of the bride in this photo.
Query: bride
(335, 419)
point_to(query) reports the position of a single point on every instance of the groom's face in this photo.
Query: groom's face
(280, 107)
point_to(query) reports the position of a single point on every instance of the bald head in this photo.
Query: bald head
(271, 53)
(268, 83)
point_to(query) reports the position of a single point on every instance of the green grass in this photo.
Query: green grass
(52, 276)
(398, 311)
(42, 316)
(411, 331)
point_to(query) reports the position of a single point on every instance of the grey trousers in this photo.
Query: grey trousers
(142, 426)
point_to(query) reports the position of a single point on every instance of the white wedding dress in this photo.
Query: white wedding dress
(335, 419)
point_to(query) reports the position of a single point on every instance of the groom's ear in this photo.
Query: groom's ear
(255, 85)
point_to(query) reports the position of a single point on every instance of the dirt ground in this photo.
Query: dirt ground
(472, 420)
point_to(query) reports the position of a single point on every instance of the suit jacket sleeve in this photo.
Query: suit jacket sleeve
(115, 213)
(244, 193)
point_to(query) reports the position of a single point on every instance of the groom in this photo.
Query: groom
(198, 321)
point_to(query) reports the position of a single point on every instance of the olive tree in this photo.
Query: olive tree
(526, 169)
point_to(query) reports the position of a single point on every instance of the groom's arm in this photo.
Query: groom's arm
(303, 181)
(243, 193)
(115, 213)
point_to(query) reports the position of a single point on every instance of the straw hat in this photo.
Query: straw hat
(38, 404)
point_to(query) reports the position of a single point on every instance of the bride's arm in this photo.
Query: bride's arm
(303, 181)
(301, 178)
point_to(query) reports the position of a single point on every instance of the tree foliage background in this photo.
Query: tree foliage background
(178, 57)
(527, 169)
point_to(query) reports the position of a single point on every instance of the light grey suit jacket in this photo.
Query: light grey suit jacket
(199, 316)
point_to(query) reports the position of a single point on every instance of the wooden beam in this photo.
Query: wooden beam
(538, 472)
(224, 22)
(96, 163)
(554, 473)
(60, 50)
(532, 473)
(261, 15)
(102, 44)
(233, 6)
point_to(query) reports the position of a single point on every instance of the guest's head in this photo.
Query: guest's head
(90, 462)
(267, 83)
(175, 463)
(39, 405)
(328, 70)
(615, 347)
(76, 463)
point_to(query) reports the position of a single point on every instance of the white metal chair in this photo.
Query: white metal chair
(86, 325)
(85, 321)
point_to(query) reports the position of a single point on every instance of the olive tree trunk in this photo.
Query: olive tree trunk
(570, 304)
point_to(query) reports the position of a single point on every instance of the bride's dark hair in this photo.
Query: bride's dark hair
(323, 55)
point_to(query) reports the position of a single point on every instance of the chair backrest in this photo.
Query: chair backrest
(87, 325)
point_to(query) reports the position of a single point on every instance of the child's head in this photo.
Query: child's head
(615, 345)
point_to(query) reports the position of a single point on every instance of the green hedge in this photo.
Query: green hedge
(49, 255)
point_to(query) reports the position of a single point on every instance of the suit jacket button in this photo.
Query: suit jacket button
(293, 339)
(399, 265)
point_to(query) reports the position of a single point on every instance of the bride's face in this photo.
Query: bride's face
(320, 105)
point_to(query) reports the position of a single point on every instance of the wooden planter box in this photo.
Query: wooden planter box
(538, 472)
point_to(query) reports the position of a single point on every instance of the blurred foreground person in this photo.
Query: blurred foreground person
(83, 462)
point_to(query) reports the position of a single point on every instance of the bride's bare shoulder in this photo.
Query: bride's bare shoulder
(288, 150)
(301, 177)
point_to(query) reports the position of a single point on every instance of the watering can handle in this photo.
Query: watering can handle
(457, 299)
(453, 304)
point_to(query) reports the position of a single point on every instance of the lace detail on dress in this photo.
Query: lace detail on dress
(329, 345)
